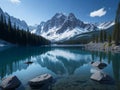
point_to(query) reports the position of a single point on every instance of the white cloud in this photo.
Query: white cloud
(15, 1)
(101, 12)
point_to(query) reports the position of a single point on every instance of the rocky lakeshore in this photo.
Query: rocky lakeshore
(102, 47)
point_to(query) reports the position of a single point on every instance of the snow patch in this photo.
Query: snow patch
(33, 31)
(106, 25)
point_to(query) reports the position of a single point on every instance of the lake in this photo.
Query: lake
(70, 66)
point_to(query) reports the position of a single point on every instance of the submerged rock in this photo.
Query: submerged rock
(28, 62)
(41, 80)
(10, 83)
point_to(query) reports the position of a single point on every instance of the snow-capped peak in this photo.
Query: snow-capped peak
(62, 27)
(71, 16)
(58, 15)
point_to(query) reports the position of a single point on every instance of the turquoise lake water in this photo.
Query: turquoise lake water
(70, 66)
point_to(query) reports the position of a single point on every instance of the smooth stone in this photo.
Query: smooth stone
(98, 76)
(99, 64)
(10, 83)
(102, 77)
(40, 81)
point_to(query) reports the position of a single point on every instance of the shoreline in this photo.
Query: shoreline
(105, 47)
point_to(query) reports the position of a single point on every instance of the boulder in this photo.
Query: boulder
(41, 80)
(116, 47)
(10, 83)
(95, 64)
(93, 70)
(99, 64)
(98, 76)
(102, 77)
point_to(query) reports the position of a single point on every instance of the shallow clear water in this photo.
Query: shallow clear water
(70, 66)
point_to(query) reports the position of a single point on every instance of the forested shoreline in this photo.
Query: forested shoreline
(17, 36)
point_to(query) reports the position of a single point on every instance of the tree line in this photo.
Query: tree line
(15, 35)
(115, 36)
(101, 37)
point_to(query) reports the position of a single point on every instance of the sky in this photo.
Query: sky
(35, 11)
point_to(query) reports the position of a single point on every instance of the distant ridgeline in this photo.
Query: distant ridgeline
(16, 36)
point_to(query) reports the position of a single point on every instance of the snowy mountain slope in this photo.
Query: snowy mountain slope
(105, 25)
(19, 23)
(33, 28)
(62, 27)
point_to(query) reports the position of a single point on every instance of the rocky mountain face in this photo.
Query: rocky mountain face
(62, 27)
(19, 23)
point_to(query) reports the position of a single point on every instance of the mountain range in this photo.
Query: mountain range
(14, 21)
(60, 27)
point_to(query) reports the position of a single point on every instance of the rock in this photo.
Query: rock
(95, 64)
(28, 62)
(102, 78)
(93, 70)
(97, 76)
(98, 64)
(10, 83)
(41, 80)
(117, 48)
(102, 47)
(102, 65)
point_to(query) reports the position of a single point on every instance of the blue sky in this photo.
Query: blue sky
(35, 11)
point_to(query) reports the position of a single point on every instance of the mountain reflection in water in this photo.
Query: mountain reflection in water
(68, 65)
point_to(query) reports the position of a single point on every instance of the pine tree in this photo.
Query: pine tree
(93, 38)
(1, 21)
(109, 39)
(101, 36)
(96, 39)
(17, 36)
(1, 18)
(9, 24)
(104, 36)
(116, 32)
(1, 26)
